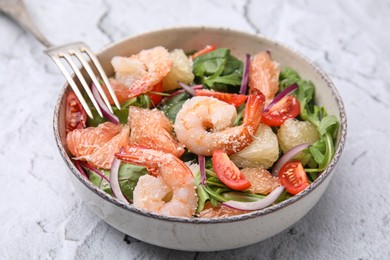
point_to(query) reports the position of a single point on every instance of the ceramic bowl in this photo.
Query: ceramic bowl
(207, 234)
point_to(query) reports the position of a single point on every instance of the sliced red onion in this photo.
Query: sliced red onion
(89, 167)
(187, 88)
(202, 166)
(281, 95)
(114, 180)
(256, 205)
(194, 87)
(287, 157)
(106, 113)
(245, 75)
(80, 168)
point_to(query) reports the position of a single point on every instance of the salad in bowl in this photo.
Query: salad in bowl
(210, 140)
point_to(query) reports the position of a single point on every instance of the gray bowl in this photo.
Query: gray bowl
(195, 234)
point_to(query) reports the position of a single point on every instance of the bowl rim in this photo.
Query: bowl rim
(194, 220)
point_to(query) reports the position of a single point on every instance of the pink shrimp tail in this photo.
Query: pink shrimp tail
(138, 89)
(254, 110)
(139, 155)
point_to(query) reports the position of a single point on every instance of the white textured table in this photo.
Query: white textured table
(43, 217)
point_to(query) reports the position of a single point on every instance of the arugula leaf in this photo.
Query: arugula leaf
(284, 196)
(129, 175)
(203, 196)
(242, 196)
(215, 194)
(318, 150)
(288, 77)
(99, 181)
(214, 181)
(328, 124)
(209, 63)
(240, 115)
(218, 70)
(173, 105)
(233, 65)
(201, 192)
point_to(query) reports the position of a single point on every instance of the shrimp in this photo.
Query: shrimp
(172, 192)
(264, 75)
(204, 124)
(152, 129)
(139, 73)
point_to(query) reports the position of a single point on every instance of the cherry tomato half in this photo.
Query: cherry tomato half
(75, 115)
(293, 177)
(232, 99)
(228, 172)
(287, 107)
(207, 49)
(156, 98)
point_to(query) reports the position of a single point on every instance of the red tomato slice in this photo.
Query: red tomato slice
(75, 115)
(156, 98)
(207, 49)
(293, 177)
(232, 99)
(287, 107)
(228, 172)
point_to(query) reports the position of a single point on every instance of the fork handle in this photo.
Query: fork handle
(16, 10)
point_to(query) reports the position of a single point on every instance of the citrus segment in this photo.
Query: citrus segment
(262, 152)
(293, 132)
(261, 180)
(180, 71)
(85, 141)
(264, 75)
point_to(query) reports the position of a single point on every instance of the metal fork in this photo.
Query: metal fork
(16, 10)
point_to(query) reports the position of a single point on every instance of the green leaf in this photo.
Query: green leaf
(231, 79)
(99, 181)
(215, 182)
(284, 196)
(304, 114)
(328, 154)
(214, 202)
(288, 77)
(233, 66)
(218, 70)
(210, 63)
(305, 90)
(240, 115)
(203, 196)
(213, 194)
(129, 175)
(174, 100)
(171, 113)
(242, 196)
(328, 124)
(317, 155)
(173, 105)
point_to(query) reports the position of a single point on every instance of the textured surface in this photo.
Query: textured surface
(42, 216)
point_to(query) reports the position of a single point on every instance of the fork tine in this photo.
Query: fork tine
(72, 84)
(103, 75)
(82, 81)
(95, 81)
